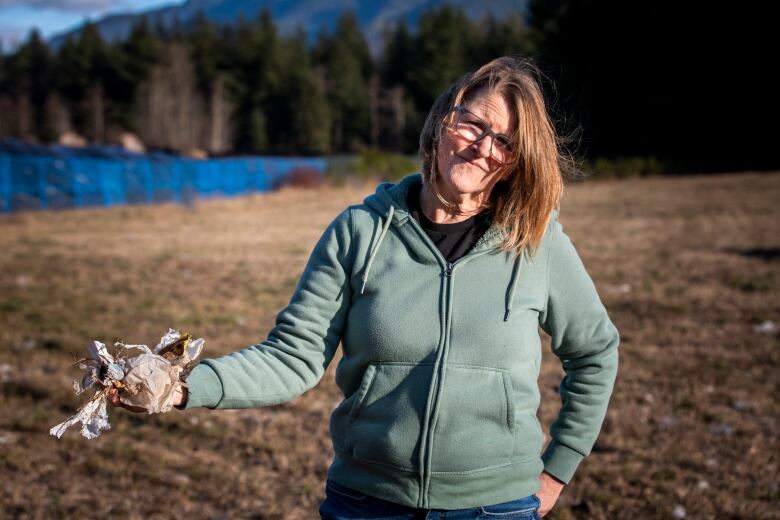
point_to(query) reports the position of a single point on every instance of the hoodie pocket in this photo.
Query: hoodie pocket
(384, 424)
(475, 421)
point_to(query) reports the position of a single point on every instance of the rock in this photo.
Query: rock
(741, 405)
(131, 142)
(181, 480)
(72, 139)
(766, 327)
(679, 511)
(195, 153)
(721, 429)
(6, 371)
(24, 280)
(623, 288)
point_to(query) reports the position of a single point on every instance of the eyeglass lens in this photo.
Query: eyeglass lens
(473, 129)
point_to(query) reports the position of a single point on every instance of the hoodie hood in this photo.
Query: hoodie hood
(393, 195)
(389, 202)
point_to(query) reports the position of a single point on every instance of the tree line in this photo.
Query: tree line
(246, 88)
(627, 79)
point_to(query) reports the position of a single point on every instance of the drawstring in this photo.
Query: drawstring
(386, 225)
(375, 249)
(513, 285)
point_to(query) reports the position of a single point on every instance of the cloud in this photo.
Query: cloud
(64, 5)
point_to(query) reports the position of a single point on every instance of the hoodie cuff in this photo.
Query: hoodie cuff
(561, 461)
(204, 388)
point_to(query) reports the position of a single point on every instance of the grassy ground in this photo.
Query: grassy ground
(687, 267)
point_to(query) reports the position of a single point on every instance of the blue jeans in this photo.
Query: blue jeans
(343, 503)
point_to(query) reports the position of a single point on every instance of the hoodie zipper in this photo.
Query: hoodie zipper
(439, 364)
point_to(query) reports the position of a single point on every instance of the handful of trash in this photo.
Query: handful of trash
(147, 380)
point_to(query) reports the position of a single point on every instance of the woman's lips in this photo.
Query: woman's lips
(472, 162)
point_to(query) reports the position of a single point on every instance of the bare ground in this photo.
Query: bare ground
(688, 268)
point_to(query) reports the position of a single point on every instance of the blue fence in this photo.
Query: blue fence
(38, 181)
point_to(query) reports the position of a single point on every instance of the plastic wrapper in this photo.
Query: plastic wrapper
(147, 379)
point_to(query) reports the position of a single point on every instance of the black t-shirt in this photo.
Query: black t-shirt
(453, 240)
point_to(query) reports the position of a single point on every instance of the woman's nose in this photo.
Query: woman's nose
(482, 147)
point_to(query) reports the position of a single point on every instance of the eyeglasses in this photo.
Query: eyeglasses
(473, 129)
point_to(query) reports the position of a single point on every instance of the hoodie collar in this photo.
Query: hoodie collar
(389, 201)
(394, 195)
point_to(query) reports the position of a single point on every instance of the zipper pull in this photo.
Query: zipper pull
(448, 271)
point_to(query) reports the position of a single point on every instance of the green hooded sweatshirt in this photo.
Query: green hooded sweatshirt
(440, 360)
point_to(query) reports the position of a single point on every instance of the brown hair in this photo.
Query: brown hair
(522, 203)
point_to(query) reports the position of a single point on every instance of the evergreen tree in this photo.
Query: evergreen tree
(300, 121)
(443, 45)
(396, 60)
(140, 51)
(30, 72)
(254, 57)
(204, 42)
(401, 120)
(85, 69)
(130, 64)
(496, 38)
(347, 62)
(2, 68)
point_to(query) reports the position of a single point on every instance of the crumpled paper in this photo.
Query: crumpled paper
(147, 380)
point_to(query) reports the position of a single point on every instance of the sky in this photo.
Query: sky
(19, 17)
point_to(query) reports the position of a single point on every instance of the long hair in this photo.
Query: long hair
(523, 202)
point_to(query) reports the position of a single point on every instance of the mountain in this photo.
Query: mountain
(311, 15)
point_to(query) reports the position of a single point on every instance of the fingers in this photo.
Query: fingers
(180, 395)
(112, 396)
(134, 409)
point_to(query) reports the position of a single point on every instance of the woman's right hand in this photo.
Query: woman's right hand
(180, 396)
(179, 399)
(112, 395)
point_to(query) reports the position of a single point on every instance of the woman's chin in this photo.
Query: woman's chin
(467, 179)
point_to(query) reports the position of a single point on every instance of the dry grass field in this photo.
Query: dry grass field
(688, 268)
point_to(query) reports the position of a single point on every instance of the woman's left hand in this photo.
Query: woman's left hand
(548, 492)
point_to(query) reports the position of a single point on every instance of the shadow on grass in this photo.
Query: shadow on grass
(767, 254)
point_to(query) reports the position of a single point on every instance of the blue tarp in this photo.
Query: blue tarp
(42, 177)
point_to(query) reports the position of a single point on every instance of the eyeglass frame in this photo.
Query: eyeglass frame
(486, 130)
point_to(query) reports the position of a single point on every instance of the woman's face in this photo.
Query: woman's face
(468, 168)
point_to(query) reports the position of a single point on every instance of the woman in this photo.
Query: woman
(436, 287)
